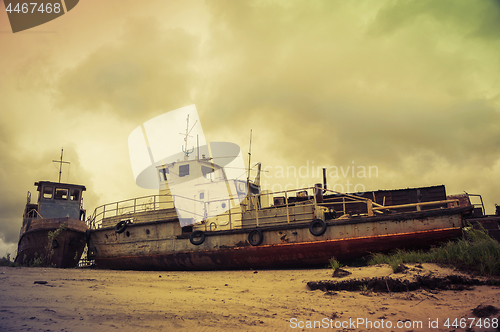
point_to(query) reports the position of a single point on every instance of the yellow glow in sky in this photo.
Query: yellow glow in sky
(408, 87)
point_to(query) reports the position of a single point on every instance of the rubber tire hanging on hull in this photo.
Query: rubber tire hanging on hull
(315, 223)
(121, 226)
(251, 235)
(196, 234)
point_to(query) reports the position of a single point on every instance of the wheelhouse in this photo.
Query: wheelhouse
(56, 200)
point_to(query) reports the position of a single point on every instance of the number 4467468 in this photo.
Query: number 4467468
(34, 7)
(472, 322)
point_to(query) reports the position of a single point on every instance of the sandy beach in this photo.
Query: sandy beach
(270, 300)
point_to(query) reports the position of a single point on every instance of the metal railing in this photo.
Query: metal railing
(252, 203)
(33, 214)
(134, 205)
(149, 204)
(476, 205)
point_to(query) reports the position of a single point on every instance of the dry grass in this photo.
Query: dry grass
(475, 251)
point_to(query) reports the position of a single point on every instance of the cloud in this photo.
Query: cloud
(478, 20)
(147, 68)
(378, 83)
(408, 86)
(20, 170)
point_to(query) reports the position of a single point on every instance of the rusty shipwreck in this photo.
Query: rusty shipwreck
(295, 228)
(53, 232)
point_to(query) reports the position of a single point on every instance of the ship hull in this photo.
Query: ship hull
(146, 246)
(64, 251)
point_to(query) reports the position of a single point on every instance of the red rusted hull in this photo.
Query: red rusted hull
(158, 246)
(285, 255)
(67, 250)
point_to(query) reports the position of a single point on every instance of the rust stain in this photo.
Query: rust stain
(286, 255)
(284, 238)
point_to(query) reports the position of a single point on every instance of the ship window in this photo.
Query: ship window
(61, 193)
(183, 170)
(202, 195)
(75, 195)
(164, 174)
(47, 192)
(208, 172)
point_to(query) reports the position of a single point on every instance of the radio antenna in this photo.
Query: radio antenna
(186, 135)
(249, 156)
(60, 164)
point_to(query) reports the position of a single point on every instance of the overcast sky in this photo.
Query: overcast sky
(410, 88)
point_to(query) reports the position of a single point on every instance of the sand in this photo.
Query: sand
(272, 300)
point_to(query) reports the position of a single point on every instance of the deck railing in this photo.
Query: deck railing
(254, 203)
(33, 214)
(148, 204)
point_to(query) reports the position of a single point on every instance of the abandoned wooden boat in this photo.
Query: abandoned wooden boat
(54, 229)
(289, 229)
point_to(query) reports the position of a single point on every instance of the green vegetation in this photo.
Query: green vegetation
(37, 261)
(335, 264)
(5, 261)
(394, 263)
(364, 289)
(45, 258)
(476, 252)
(52, 244)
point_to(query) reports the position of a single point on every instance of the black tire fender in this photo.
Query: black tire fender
(314, 224)
(194, 235)
(121, 226)
(255, 241)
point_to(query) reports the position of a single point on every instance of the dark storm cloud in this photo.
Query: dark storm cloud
(409, 86)
(21, 168)
(146, 69)
(479, 19)
(320, 69)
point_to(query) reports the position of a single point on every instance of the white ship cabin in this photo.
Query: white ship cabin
(56, 200)
(201, 193)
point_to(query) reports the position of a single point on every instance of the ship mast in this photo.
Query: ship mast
(186, 135)
(60, 164)
(249, 157)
